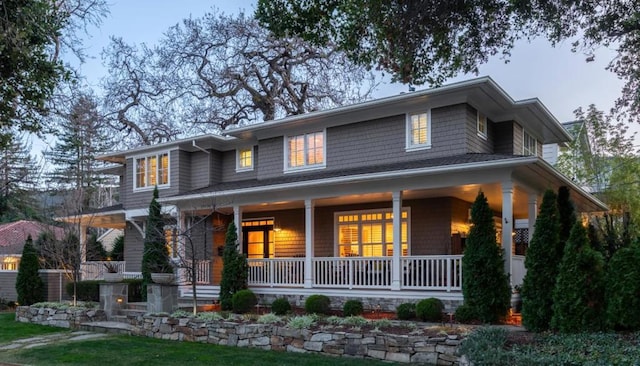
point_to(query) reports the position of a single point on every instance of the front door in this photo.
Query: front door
(258, 239)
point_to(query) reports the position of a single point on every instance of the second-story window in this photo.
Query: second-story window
(152, 170)
(419, 130)
(481, 124)
(529, 144)
(244, 159)
(305, 151)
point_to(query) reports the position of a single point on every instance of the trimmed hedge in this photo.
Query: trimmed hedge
(317, 304)
(280, 306)
(352, 308)
(465, 314)
(85, 290)
(243, 301)
(406, 311)
(429, 310)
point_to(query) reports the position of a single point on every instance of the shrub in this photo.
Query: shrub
(465, 314)
(317, 304)
(234, 269)
(352, 308)
(623, 289)
(270, 318)
(406, 311)
(280, 306)
(485, 287)
(429, 310)
(302, 322)
(29, 285)
(85, 290)
(486, 346)
(243, 301)
(117, 252)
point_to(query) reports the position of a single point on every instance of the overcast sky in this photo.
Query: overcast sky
(562, 80)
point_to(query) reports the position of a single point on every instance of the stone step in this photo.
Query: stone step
(112, 327)
(142, 306)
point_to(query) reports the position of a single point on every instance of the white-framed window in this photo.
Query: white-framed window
(244, 159)
(369, 233)
(529, 144)
(151, 170)
(171, 238)
(419, 131)
(481, 124)
(306, 151)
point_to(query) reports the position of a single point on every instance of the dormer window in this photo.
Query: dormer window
(151, 170)
(306, 151)
(481, 124)
(244, 159)
(419, 131)
(529, 144)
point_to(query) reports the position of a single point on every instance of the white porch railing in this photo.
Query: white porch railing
(202, 269)
(441, 273)
(276, 272)
(518, 271)
(95, 270)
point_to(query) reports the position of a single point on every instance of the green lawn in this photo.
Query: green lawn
(12, 330)
(125, 350)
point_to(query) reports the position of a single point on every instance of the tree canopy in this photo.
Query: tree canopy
(429, 41)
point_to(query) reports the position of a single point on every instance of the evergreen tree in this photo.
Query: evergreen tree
(485, 287)
(578, 295)
(235, 269)
(155, 255)
(18, 179)
(29, 285)
(567, 216)
(623, 289)
(95, 249)
(542, 270)
(117, 252)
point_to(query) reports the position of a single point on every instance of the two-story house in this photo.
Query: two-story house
(367, 201)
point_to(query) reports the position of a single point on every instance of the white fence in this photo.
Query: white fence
(420, 272)
(96, 270)
(202, 269)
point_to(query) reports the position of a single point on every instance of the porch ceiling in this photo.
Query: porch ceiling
(114, 220)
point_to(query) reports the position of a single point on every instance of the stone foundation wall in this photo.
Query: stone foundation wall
(66, 318)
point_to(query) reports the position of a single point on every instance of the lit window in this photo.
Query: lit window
(529, 144)
(305, 151)
(171, 237)
(481, 124)
(419, 130)
(369, 233)
(244, 159)
(152, 170)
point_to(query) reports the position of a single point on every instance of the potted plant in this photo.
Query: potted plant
(111, 275)
(516, 299)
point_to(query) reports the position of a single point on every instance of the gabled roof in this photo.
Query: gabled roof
(13, 235)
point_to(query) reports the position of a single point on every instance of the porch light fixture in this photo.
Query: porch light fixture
(277, 229)
(119, 299)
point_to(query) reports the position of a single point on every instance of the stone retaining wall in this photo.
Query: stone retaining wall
(378, 345)
(65, 318)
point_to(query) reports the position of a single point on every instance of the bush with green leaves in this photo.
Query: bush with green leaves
(280, 306)
(352, 308)
(623, 289)
(465, 314)
(485, 287)
(317, 304)
(117, 252)
(578, 301)
(243, 301)
(406, 311)
(85, 290)
(542, 267)
(29, 285)
(429, 310)
(235, 269)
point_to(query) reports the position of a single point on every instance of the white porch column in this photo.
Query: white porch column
(507, 224)
(397, 240)
(83, 243)
(309, 222)
(237, 220)
(533, 214)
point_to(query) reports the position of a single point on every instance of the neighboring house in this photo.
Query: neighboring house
(366, 201)
(108, 238)
(12, 239)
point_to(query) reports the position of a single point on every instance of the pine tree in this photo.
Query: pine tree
(95, 249)
(578, 300)
(485, 286)
(235, 269)
(567, 216)
(117, 252)
(541, 267)
(155, 256)
(18, 179)
(29, 285)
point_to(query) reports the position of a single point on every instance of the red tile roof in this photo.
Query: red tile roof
(14, 234)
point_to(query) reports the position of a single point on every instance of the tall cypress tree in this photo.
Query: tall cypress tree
(567, 217)
(485, 286)
(29, 285)
(155, 255)
(537, 299)
(235, 269)
(578, 300)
